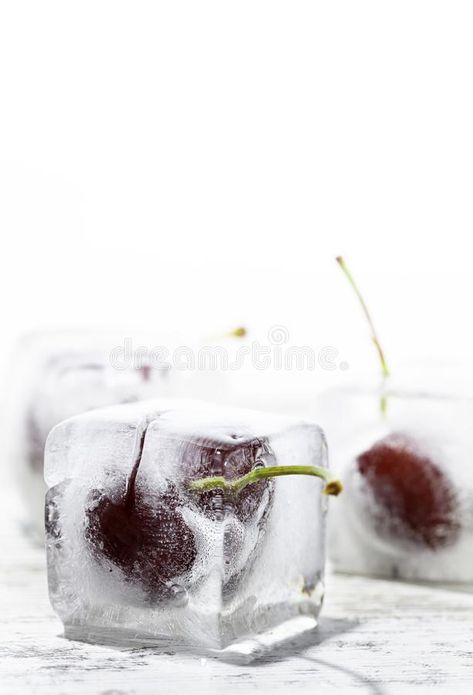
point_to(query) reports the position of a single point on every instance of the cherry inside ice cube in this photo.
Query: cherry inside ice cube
(148, 539)
(146, 535)
(413, 498)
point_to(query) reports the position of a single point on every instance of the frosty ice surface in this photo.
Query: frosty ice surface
(58, 375)
(407, 507)
(135, 554)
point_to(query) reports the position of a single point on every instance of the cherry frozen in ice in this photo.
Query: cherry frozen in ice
(150, 543)
(414, 500)
(146, 536)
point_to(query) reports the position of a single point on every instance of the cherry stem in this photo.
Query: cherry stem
(332, 487)
(374, 335)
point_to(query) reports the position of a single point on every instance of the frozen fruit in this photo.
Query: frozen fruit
(165, 521)
(414, 500)
(145, 534)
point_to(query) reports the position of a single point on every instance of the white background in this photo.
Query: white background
(197, 165)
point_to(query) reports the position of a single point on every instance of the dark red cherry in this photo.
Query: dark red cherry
(415, 500)
(150, 542)
(145, 535)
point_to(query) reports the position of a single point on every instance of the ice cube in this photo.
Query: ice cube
(135, 553)
(407, 507)
(60, 375)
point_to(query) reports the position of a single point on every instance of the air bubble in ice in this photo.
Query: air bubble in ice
(179, 595)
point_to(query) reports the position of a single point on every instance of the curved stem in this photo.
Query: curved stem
(374, 335)
(332, 487)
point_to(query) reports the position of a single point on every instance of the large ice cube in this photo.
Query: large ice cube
(407, 507)
(134, 553)
(57, 375)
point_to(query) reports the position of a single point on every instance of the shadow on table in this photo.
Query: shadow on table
(370, 686)
(255, 650)
(327, 628)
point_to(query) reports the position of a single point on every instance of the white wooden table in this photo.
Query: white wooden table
(374, 637)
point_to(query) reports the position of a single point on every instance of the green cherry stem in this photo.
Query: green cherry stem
(374, 336)
(332, 487)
